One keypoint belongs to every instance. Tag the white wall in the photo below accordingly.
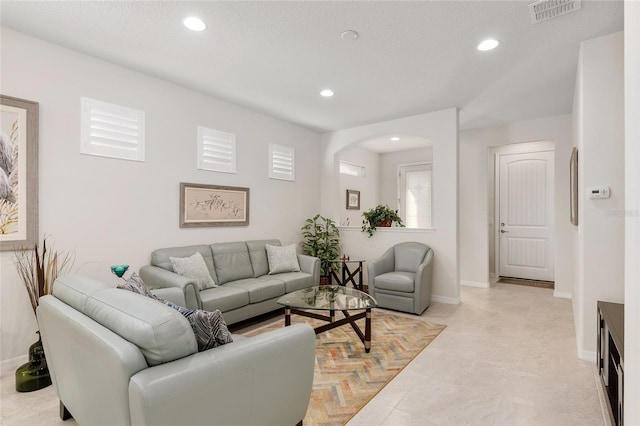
(389, 163)
(368, 185)
(113, 211)
(441, 128)
(476, 180)
(632, 206)
(599, 136)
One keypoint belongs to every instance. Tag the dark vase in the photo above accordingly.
(324, 280)
(385, 223)
(34, 374)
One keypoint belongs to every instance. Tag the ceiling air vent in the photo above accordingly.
(547, 9)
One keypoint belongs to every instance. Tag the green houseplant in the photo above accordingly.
(380, 215)
(321, 239)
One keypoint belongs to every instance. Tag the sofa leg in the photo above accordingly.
(299, 423)
(64, 413)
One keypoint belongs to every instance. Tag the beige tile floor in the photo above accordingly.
(507, 357)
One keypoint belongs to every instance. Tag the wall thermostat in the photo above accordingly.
(599, 192)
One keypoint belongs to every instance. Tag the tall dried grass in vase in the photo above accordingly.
(38, 268)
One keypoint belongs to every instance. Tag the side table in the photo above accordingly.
(348, 275)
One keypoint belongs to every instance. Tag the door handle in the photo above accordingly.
(502, 231)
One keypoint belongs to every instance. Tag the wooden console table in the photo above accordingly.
(611, 357)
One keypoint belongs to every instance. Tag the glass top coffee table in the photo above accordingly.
(331, 299)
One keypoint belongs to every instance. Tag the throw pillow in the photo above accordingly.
(193, 267)
(209, 328)
(282, 259)
(134, 283)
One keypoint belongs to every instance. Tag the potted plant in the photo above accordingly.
(38, 268)
(382, 216)
(321, 239)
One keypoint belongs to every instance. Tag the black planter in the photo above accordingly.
(34, 374)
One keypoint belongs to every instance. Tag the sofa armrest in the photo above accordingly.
(261, 380)
(156, 277)
(310, 265)
(174, 295)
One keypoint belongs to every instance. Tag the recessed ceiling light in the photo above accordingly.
(350, 35)
(327, 93)
(395, 138)
(194, 24)
(488, 44)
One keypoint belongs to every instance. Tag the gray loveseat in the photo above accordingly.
(120, 358)
(241, 270)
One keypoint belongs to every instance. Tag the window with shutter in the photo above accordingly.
(281, 162)
(109, 130)
(216, 150)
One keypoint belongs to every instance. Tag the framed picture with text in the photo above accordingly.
(213, 205)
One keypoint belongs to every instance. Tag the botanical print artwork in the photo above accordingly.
(211, 205)
(10, 189)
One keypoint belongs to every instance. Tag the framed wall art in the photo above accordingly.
(353, 199)
(573, 186)
(213, 205)
(18, 173)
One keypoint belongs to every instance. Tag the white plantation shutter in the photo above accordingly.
(216, 150)
(109, 130)
(281, 162)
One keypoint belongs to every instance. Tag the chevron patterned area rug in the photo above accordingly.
(346, 377)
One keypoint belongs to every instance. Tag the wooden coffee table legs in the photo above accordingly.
(332, 323)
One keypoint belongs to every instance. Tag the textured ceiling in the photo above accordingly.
(274, 57)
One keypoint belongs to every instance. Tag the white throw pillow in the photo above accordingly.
(282, 259)
(194, 267)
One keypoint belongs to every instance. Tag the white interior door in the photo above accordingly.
(525, 227)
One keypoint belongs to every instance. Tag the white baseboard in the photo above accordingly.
(478, 284)
(562, 294)
(445, 299)
(12, 364)
(590, 356)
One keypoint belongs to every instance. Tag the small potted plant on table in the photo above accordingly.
(379, 216)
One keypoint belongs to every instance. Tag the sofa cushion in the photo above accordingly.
(258, 255)
(161, 257)
(195, 268)
(261, 288)
(224, 298)
(231, 261)
(396, 281)
(295, 280)
(209, 328)
(282, 259)
(161, 333)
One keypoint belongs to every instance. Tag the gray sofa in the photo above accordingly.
(120, 358)
(240, 269)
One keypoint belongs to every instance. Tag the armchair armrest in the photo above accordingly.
(156, 277)
(310, 265)
(423, 282)
(380, 266)
(261, 380)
